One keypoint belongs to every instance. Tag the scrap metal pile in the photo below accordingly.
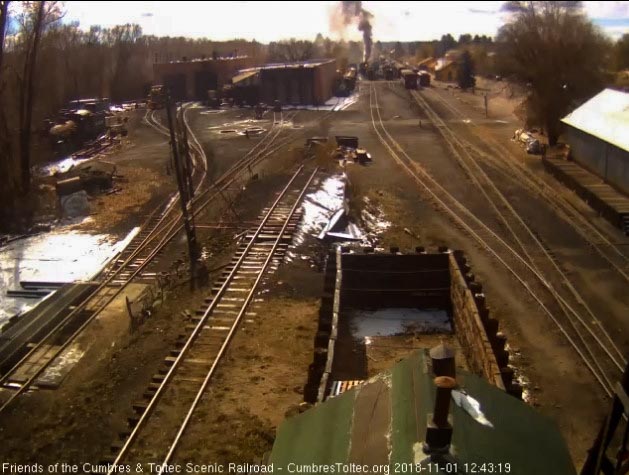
(347, 149)
(74, 186)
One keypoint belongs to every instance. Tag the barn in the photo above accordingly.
(598, 135)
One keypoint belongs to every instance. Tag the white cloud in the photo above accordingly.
(609, 10)
(616, 31)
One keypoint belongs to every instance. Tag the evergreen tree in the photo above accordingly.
(465, 75)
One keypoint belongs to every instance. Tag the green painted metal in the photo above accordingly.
(520, 437)
(319, 436)
(403, 427)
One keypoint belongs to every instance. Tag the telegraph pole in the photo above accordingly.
(184, 184)
(186, 161)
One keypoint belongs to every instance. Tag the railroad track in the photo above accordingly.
(514, 170)
(536, 253)
(200, 200)
(150, 120)
(161, 222)
(164, 225)
(591, 343)
(156, 232)
(178, 388)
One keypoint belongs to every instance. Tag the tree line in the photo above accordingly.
(45, 62)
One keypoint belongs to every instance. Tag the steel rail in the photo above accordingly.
(559, 203)
(155, 232)
(197, 329)
(235, 324)
(453, 142)
(415, 174)
(451, 138)
(170, 203)
(232, 174)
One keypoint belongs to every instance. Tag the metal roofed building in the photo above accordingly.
(384, 421)
(192, 79)
(598, 134)
(446, 70)
(304, 82)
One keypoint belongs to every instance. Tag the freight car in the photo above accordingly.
(409, 79)
(424, 79)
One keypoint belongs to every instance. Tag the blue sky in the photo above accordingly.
(268, 21)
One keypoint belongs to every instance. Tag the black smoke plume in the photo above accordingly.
(354, 11)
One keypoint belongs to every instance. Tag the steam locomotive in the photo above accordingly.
(157, 97)
(346, 82)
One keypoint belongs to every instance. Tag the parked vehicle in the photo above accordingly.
(424, 79)
(532, 145)
(73, 128)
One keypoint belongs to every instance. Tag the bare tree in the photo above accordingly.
(291, 50)
(621, 52)
(66, 43)
(35, 18)
(4, 17)
(557, 51)
(122, 39)
(6, 156)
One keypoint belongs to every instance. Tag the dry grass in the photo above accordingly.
(259, 381)
(136, 189)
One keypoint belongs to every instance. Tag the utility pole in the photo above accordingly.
(184, 184)
(187, 161)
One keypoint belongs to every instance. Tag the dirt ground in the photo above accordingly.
(260, 383)
(141, 183)
(544, 357)
(383, 351)
(261, 379)
(113, 374)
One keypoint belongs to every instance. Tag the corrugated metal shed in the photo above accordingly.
(605, 116)
(383, 422)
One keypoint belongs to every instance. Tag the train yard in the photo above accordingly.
(534, 256)
(238, 348)
(589, 339)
